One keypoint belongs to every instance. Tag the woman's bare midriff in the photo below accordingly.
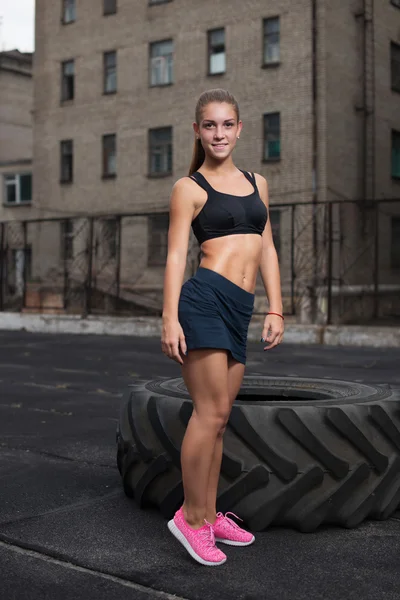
(236, 257)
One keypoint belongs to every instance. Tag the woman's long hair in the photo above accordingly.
(206, 98)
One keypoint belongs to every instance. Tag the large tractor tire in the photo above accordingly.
(297, 452)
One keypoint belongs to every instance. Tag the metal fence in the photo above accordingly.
(340, 263)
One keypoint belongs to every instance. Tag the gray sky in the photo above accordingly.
(17, 25)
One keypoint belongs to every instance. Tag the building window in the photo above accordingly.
(161, 62)
(216, 52)
(157, 240)
(18, 188)
(109, 238)
(396, 154)
(160, 154)
(69, 11)
(110, 72)
(109, 155)
(67, 161)
(395, 66)
(109, 7)
(271, 40)
(67, 80)
(20, 270)
(67, 239)
(272, 137)
(395, 244)
(275, 220)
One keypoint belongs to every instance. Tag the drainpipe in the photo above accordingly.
(314, 33)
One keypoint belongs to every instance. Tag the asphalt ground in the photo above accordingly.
(67, 531)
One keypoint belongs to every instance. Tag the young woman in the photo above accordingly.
(205, 321)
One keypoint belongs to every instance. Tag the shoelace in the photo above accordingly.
(232, 523)
(208, 534)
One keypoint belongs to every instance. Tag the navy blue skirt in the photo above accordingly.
(214, 312)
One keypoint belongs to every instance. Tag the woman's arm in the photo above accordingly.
(270, 275)
(182, 208)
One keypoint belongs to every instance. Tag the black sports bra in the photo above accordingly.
(226, 214)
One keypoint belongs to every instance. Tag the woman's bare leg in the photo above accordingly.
(205, 373)
(235, 378)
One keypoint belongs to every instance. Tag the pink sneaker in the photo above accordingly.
(200, 543)
(228, 532)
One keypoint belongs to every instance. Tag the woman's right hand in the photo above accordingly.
(173, 342)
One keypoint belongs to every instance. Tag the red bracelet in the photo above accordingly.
(277, 314)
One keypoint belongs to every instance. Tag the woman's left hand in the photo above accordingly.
(272, 332)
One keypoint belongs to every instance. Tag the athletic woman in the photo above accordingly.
(205, 321)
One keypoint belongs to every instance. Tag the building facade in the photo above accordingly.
(318, 87)
(16, 98)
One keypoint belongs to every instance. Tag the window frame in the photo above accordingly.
(107, 12)
(64, 4)
(155, 174)
(106, 173)
(157, 254)
(105, 72)
(152, 58)
(63, 143)
(271, 158)
(275, 63)
(392, 46)
(64, 81)
(17, 183)
(209, 54)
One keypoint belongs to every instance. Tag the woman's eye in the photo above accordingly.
(229, 124)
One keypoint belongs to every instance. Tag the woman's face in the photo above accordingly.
(218, 129)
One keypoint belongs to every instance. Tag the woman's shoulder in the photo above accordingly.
(186, 188)
(260, 180)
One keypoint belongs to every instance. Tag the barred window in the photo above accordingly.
(18, 188)
(271, 40)
(161, 62)
(67, 80)
(216, 52)
(272, 137)
(109, 155)
(160, 151)
(109, 238)
(67, 239)
(67, 161)
(110, 72)
(157, 239)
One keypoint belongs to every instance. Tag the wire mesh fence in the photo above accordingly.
(339, 261)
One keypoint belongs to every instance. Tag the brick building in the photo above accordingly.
(318, 84)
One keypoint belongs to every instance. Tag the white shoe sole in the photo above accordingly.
(181, 538)
(232, 543)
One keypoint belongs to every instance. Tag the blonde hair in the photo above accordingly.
(216, 95)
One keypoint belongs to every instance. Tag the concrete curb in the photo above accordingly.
(332, 335)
